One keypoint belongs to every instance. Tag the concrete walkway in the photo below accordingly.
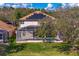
(28, 41)
(36, 41)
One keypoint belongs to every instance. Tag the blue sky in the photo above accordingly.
(39, 5)
(44, 5)
(33, 5)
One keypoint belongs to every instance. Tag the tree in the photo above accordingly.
(46, 28)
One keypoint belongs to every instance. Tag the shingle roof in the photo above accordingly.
(7, 27)
(36, 12)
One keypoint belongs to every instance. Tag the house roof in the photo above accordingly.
(7, 27)
(36, 12)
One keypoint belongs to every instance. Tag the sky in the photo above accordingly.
(33, 5)
(50, 6)
(44, 5)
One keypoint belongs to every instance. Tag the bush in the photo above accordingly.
(12, 43)
(65, 47)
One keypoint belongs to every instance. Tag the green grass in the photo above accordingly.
(41, 49)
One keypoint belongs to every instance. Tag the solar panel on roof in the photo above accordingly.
(37, 16)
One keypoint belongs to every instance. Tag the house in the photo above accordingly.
(28, 23)
(6, 31)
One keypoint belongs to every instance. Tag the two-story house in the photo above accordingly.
(28, 23)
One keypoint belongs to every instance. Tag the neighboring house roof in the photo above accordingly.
(36, 12)
(7, 27)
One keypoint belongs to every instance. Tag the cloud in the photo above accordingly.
(1, 4)
(69, 5)
(63, 5)
(49, 7)
(30, 5)
(26, 5)
(66, 5)
(77, 4)
(73, 4)
(14, 6)
(23, 5)
(7, 5)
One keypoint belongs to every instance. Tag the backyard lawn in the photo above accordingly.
(39, 49)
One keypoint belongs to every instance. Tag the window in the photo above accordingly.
(1, 36)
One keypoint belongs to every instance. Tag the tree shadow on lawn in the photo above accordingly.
(19, 47)
(2, 50)
(14, 49)
(64, 48)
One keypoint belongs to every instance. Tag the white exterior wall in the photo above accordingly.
(29, 23)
